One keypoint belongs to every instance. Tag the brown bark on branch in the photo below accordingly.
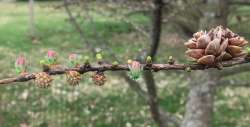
(123, 67)
(235, 70)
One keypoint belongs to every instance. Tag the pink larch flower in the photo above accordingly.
(74, 60)
(73, 57)
(20, 61)
(135, 68)
(20, 64)
(135, 65)
(50, 59)
(51, 54)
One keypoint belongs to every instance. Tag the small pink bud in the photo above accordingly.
(20, 64)
(135, 65)
(20, 60)
(135, 68)
(72, 57)
(51, 54)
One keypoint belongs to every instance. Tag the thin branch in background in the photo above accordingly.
(123, 17)
(133, 84)
(77, 26)
(148, 76)
(136, 86)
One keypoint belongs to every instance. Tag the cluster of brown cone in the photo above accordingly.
(73, 78)
(219, 44)
(43, 80)
(99, 78)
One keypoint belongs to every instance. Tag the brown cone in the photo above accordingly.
(223, 46)
(43, 80)
(241, 54)
(203, 41)
(191, 44)
(99, 78)
(198, 34)
(195, 53)
(207, 60)
(233, 50)
(213, 47)
(217, 45)
(73, 78)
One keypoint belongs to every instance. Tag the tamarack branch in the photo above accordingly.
(123, 67)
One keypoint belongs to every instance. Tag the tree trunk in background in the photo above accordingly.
(215, 13)
(148, 76)
(199, 107)
(223, 12)
(31, 19)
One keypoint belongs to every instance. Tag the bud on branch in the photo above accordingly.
(20, 65)
(123, 67)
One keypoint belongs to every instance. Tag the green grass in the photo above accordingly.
(52, 28)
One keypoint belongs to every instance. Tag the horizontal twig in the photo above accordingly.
(123, 67)
(235, 71)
